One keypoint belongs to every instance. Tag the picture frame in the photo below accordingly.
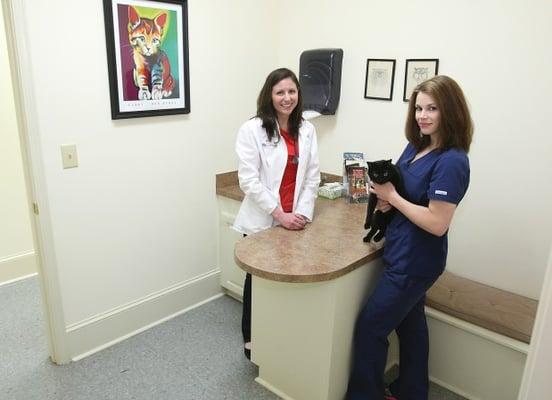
(147, 57)
(417, 71)
(380, 78)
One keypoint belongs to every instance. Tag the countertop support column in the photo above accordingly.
(302, 333)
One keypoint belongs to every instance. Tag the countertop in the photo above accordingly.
(329, 247)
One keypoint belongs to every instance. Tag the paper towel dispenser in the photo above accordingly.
(320, 79)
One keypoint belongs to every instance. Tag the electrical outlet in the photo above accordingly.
(69, 156)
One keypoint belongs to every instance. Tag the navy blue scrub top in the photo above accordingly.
(439, 175)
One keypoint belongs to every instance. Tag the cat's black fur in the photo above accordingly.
(380, 172)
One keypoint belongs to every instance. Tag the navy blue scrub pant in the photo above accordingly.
(397, 303)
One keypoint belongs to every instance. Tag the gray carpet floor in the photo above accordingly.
(196, 356)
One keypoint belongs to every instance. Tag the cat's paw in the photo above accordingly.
(380, 235)
(144, 94)
(157, 92)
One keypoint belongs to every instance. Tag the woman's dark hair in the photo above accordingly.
(265, 108)
(455, 125)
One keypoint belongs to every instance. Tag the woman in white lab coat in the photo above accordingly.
(278, 168)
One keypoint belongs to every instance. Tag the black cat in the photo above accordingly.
(380, 172)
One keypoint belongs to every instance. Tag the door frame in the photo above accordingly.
(35, 182)
(535, 383)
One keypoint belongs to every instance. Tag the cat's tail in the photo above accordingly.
(168, 80)
(168, 86)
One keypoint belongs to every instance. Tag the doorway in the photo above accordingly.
(28, 214)
(17, 256)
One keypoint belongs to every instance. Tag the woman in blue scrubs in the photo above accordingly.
(436, 174)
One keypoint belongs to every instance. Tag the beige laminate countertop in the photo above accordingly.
(327, 248)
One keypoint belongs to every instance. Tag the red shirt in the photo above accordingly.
(287, 187)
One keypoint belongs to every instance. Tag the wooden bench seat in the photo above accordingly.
(500, 311)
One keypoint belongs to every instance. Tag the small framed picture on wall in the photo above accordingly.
(417, 71)
(380, 75)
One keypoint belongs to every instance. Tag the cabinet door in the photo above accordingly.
(232, 276)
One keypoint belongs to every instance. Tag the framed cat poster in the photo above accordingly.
(417, 71)
(147, 57)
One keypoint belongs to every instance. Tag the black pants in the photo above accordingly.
(246, 313)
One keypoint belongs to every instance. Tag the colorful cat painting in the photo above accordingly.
(152, 69)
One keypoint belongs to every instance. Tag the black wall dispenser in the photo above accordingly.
(320, 79)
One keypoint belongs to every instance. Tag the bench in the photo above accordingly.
(479, 337)
(500, 311)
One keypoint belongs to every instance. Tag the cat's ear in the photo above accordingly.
(388, 161)
(161, 20)
(133, 17)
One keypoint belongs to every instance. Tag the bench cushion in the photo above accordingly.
(497, 310)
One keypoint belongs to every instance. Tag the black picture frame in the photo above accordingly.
(145, 83)
(380, 78)
(416, 71)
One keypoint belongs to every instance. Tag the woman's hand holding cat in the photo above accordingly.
(385, 192)
(289, 220)
(383, 205)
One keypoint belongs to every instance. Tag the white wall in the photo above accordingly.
(16, 243)
(138, 216)
(499, 52)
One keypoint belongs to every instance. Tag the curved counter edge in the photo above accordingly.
(310, 278)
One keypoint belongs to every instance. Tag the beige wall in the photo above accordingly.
(138, 216)
(16, 243)
(499, 53)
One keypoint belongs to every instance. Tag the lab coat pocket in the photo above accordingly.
(269, 152)
(274, 155)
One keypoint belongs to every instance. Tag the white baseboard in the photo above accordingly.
(16, 267)
(231, 293)
(233, 289)
(113, 326)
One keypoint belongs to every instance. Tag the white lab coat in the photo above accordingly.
(260, 171)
